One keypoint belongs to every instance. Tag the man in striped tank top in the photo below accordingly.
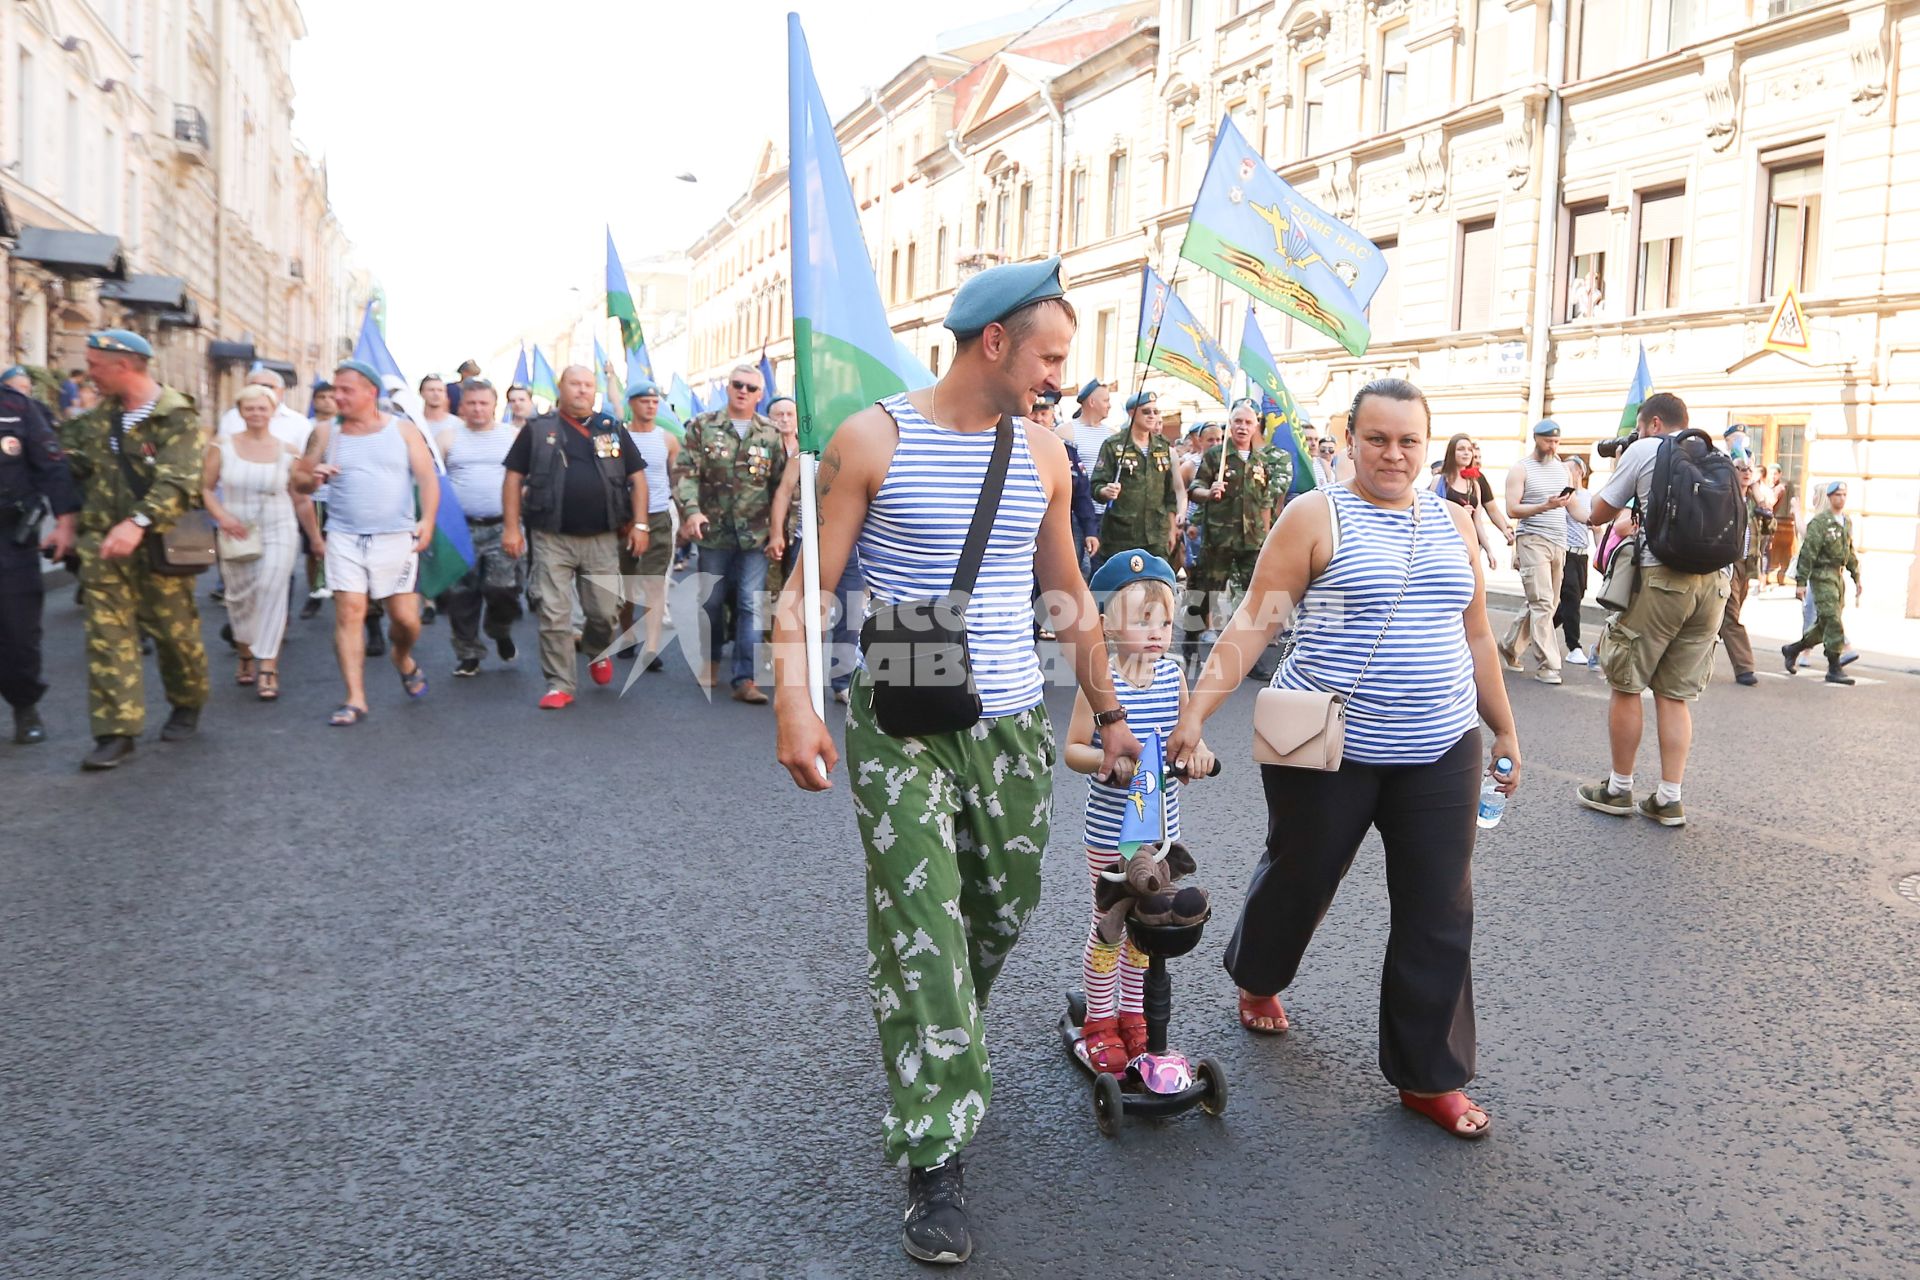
(954, 825)
(1538, 491)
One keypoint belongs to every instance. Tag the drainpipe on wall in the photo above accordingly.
(1546, 255)
(1058, 196)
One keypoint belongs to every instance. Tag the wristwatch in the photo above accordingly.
(141, 519)
(1101, 719)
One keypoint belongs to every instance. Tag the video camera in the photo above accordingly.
(1611, 448)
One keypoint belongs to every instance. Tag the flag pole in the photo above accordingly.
(810, 585)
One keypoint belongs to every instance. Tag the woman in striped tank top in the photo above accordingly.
(1138, 620)
(1392, 613)
(954, 824)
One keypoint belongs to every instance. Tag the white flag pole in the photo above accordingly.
(810, 584)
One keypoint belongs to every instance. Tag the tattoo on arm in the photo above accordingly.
(829, 469)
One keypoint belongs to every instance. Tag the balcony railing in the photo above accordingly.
(189, 125)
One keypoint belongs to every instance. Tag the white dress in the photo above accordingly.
(255, 493)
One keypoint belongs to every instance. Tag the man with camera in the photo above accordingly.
(1691, 525)
(33, 476)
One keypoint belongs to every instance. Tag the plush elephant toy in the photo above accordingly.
(1142, 888)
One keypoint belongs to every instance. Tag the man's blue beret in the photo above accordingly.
(124, 341)
(998, 293)
(1140, 400)
(1093, 385)
(643, 387)
(364, 369)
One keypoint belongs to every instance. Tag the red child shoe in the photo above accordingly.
(1133, 1032)
(1100, 1042)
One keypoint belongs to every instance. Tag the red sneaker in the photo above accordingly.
(601, 671)
(556, 701)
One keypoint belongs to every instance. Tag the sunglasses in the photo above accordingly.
(738, 385)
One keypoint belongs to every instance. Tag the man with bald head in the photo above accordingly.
(580, 486)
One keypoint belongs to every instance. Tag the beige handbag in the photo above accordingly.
(241, 550)
(1307, 728)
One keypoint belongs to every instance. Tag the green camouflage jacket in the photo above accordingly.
(1149, 491)
(167, 448)
(1256, 487)
(1828, 545)
(729, 480)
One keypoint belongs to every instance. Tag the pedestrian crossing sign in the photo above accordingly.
(1787, 329)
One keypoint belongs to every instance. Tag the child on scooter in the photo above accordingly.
(1136, 594)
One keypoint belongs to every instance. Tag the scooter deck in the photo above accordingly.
(1135, 1100)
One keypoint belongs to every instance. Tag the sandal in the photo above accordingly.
(269, 685)
(1252, 1007)
(1102, 1046)
(414, 682)
(1133, 1031)
(243, 674)
(1447, 1111)
(347, 715)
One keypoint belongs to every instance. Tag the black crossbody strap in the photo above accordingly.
(134, 482)
(984, 511)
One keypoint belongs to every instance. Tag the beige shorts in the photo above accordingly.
(375, 565)
(1664, 641)
(659, 552)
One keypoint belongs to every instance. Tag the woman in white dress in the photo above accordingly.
(244, 485)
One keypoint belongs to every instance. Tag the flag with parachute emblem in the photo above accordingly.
(1280, 414)
(620, 307)
(1171, 340)
(1251, 228)
(542, 382)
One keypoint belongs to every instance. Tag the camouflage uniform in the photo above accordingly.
(124, 597)
(1824, 553)
(1234, 528)
(1142, 516)
(731, 481)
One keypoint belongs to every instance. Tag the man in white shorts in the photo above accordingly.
(371, 463)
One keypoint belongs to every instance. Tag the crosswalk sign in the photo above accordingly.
(1787, 329)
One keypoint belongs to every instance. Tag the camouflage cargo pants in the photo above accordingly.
(124, 598)
(1829, 592)
(954, 828)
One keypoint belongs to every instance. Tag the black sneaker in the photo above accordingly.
(428, 615)
(936, 1221)
(28, 729)
(181, 725)
(309, 607)
(505, 646)
(656, 666)
(467, 667)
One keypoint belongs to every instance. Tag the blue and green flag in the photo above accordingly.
(1143, 816)
(542, 382)
(1252, 229)
(1171, 340)
(371, 346)
(1636, 394)
(613, 399)
(767, 393)
(620, 307)
(1280, 414)
(845, 356)
(519, 380)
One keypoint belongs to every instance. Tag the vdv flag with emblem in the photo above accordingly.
(1280, 414)
(613, 402)
(542, 382)
(371, 346)
(620, 307)
(1636, 394)
(1143, 817)
(845, 356)
(1252, 229)
(1172, 341)
(519, 380)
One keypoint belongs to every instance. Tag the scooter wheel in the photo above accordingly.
(1108, 1103)
(1215, 1099)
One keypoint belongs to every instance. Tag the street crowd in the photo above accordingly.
(1167, 570)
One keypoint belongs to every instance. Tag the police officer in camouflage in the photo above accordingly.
(1134, 476)
(1825, 551)
(137, 456)
(729, 467)
(33, 477)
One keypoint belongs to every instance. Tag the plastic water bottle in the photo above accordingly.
(1493, 805)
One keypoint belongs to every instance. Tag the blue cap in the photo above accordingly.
(1093, 385)
(998, 293)
(1137, 565)
(12, 371)
(123, 341)
(364, 369)
(643, 387)
(1140, 399)
(1837, 484)
(1738, 426)
(777, 399)
(1546, 427)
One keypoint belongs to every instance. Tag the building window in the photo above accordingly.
(1793, 227)
(933, 360)
(1586, 262)
(893, 276)
(1473, 282)
(1002, 205)
(1781, 8)
(1489, 47)
(1024, 225)
(1077, 208)
(1189, 18)
(70, 182)
(24, 149)
(1656, 284)
(1313, 108)
(913, 269)
(1393, 77)
(1116, 193)
(1383, 311)
(1683, 23)
(940, 258)
(980, 226)
(1102, 339)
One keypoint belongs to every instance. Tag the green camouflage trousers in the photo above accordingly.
(1829, 592)
(123, 598)
(954, 828)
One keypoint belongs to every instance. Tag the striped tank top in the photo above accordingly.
(652, 447)
(1418, 697)
(1154, 708)
(373, 494)
(1544, 480)
(915, 529)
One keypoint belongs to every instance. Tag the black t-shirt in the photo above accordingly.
(583, 503)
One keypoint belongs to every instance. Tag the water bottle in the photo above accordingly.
(1493, 805)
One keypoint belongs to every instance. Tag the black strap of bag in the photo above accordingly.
(916, 651)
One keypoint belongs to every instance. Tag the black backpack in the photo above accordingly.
(1696, 519)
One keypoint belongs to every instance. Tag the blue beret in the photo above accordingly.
(643, 387)
(1738, 426)
(12, 371)
(364, 369)
(789, 399)
(995, 294)
(1140, 400)
(1837, 484)
(124, 341)
(1048, 397)
(1093, 385)
(1137, 565)
(1546, 427)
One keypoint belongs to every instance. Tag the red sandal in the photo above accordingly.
(1252, 1007)
(1447, 1110)
(1100, 1042)
(1133, 1032)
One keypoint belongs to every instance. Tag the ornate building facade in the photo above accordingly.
(1554, 183)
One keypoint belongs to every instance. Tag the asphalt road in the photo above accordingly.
(479, 991)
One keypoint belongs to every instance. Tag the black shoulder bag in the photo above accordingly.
(186, 548)
(916, 651)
